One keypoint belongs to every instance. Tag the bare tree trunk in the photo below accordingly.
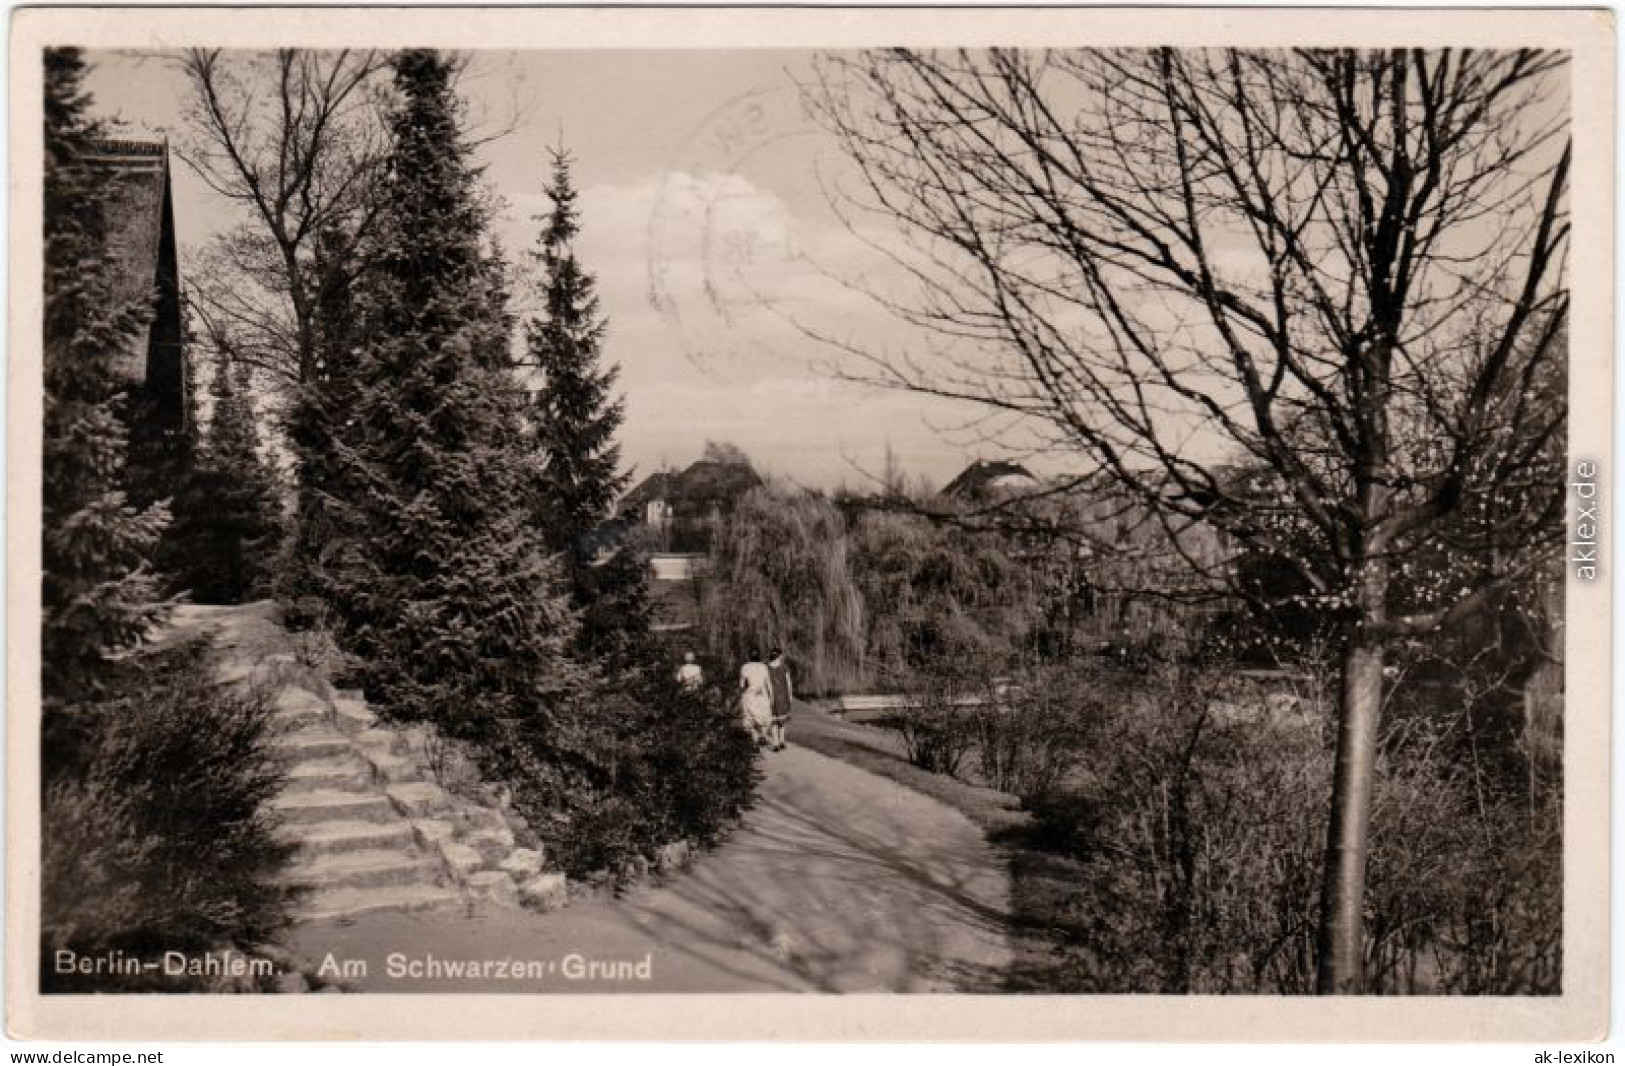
(1342, 901)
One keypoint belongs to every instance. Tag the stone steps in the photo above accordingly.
(328, 774)
(371, 827)
(370, 830)
(342, 903)
(347, 804)
(363, 869)
(340, 837)
(332, 805)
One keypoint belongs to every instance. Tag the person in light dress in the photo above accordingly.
(756, 698)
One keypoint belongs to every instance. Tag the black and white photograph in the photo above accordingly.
(1083, 520)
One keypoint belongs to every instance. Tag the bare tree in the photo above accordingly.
(292, 140)
(1344, 271)
(723, 451)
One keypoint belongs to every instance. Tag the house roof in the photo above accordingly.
(139, 222)
(656, 486)
(703, 482)
(986, 476)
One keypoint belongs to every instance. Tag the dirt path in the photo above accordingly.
(838, 881)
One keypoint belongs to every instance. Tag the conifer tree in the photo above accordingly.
(227, 512)
(153, 831)
(318, 418)
(574, 417)
(98, 595)
(440, 587)
(576, 412)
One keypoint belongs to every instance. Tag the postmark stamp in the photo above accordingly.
(711, 264)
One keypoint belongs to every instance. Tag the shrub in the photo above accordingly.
(635, 764)
(1199, 818)
(1466, 884)
(1030, 734)
(155, 834)
(1200, 842)
(937, 730)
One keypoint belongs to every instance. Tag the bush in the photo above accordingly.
(155, 835)
(1199, 817)
(937, 736)
(1200, 841)
(1030, 734)
(1466, 880)
(638, 763)
(1026, 732)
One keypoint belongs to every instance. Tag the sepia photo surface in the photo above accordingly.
(810, 525)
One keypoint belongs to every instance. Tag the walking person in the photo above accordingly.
(756, 697)
(778, 672)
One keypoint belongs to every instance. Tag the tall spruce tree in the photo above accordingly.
(440, 588)
(576, 412)
(98, 593)
(318, 418)
(227, 512)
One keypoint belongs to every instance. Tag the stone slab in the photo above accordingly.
(460, 859)
(432, 832)
(418, 799)
(546, 892)
(522, 864)
(494, 844)
(493, 886)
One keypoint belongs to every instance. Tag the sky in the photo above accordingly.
(705, 208)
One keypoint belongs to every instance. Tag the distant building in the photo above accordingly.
(145, 265)
(679, 508)
(670, 516)
(648, 503)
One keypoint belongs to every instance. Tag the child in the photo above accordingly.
(689, 675)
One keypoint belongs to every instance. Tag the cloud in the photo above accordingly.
(711, 284)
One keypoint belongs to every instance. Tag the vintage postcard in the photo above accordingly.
(810, 524)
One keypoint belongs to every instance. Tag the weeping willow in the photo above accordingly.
(780, 576)
(887, 599)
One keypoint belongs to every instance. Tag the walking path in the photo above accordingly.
(837, 881)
